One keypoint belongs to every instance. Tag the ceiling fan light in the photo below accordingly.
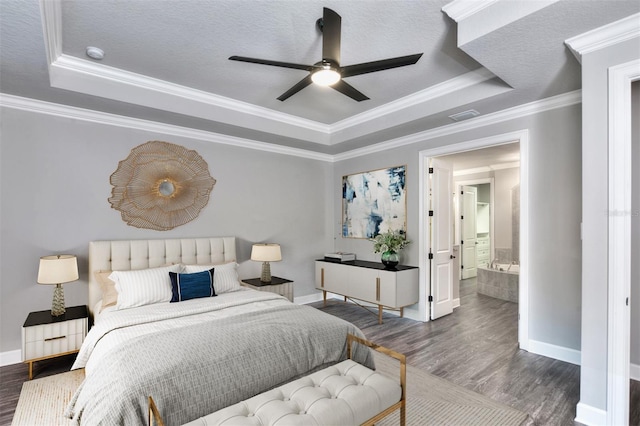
(325, 77)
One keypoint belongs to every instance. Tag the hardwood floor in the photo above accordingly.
(13, 376)
(475, 347)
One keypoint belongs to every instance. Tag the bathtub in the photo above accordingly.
(506, 267)
(501, 282)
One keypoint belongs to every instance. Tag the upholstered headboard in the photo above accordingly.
(125, 255)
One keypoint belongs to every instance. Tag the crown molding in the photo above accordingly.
(485, 169)
(605, 36)
(427, 95)
(43, 107)
(51, 12)
(558, 101)
(462, 9)
(83, 76)
(118, 75)
(91, 78)
(65, 111)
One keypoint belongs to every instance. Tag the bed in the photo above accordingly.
(195, 356)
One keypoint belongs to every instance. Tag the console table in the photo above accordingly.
(369, 282)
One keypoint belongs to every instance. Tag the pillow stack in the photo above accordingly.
(172, 283)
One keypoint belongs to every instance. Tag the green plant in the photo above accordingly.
(389, 241)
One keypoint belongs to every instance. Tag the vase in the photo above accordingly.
(390, 259)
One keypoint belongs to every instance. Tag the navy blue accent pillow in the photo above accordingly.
(191, 286)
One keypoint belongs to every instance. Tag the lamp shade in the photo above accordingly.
(58, 269)
(266, 253)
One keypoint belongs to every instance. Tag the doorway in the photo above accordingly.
(428, 278)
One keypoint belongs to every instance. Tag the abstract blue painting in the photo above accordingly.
(374, 202)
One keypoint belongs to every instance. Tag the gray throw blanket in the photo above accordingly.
(196, 370)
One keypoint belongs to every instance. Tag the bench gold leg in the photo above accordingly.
(31, 370)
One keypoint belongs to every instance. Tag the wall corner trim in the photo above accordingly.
(588, 415)
(605, 36)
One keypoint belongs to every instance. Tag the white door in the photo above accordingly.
(441, 237)
(468, 199)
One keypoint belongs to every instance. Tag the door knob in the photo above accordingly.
(452, 257)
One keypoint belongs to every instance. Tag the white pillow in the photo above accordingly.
(225, 276)
(144, 286)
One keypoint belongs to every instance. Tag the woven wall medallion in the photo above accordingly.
(160, 186)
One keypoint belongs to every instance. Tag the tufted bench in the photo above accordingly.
(346, 393)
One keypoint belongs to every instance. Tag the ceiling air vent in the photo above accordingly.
(464, 115)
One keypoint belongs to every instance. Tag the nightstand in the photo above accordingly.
(45, 336)
(277, 285)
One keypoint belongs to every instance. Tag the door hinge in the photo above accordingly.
(461, 192)
(430, 256)
(461, 266)
(430, 170)
(462, 217)
(461, 242)
(430, 213)
(430, 298)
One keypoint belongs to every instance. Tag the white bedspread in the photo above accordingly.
(198, 356)
(117, 326)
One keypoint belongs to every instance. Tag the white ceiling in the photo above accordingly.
(167, 61)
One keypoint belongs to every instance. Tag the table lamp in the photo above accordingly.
(266, 253)
(58, 269)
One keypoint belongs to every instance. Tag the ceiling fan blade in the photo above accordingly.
(384, 64)
(331, 29)
(347, 89)
(296, 88)
(272, 63)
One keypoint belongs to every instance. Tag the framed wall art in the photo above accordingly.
(160, 186)
(374, 202)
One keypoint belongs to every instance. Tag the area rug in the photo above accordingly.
(435, 401)
(42, 401)
(430, 401)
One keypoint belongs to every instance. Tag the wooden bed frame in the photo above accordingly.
(126, 255)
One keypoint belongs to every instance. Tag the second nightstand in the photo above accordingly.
(277, 285)
(45, 336)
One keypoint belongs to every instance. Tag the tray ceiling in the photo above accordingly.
(167, 61)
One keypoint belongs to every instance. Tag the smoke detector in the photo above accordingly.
(95, 53)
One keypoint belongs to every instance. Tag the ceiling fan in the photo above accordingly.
(328, 71)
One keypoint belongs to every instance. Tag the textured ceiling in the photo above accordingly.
(166, 61)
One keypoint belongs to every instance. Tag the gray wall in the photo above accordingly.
(505, 180)
(55, 171)
(54, 175)
(635, 229)
(593, 372)
(554, 221)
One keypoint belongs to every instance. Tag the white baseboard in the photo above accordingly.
(309, 298)
(456, 303)
(556, 352)
(10, 357)
(634, 372)
(588, 415)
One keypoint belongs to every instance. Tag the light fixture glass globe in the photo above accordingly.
(325, 77)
